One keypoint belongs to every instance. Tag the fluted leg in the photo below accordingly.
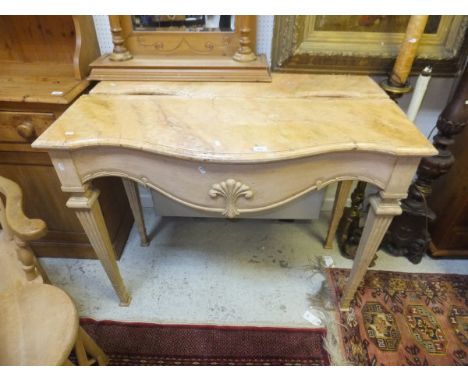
(379, 218)
(131, 188)
(342, 192)
(90, 216)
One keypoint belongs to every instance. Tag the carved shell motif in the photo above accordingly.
(231, 190)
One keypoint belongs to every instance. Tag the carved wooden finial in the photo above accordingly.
(244, 53)
(120, 52)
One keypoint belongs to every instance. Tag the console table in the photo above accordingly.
(235, 148)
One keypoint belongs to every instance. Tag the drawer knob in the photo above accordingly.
(26, 130)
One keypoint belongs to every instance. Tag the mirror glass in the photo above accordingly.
(179, 23)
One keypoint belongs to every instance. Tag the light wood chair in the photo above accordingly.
(39, 323)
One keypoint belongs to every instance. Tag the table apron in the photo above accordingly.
(231, 188)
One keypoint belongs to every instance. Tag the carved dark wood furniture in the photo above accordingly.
(408, 235)
(449, 198)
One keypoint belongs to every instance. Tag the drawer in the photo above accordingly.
(22, 128)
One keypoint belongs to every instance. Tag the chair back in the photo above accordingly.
(18, 265)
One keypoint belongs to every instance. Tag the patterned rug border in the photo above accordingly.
(89, 320)
(265, 360)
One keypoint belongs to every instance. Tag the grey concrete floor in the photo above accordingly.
(242, 272)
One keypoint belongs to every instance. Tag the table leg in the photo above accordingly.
(90, 216)
(342, 192)
(379, 218)
(131, 188)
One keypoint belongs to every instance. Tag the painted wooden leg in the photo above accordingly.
(85, 346)
(90, 216)
(87, 351)
(379, 218)
(131, 188)
(342, 192)
(80, 352)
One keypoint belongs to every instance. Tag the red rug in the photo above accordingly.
(155, 344)
(405, 319)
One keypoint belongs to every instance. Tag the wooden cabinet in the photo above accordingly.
(23, 127)
(43, 64)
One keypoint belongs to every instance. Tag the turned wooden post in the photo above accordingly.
(28, 262)
(244, 53)
(20, 229)
(120, 52)
(349, 230)
(407, 53)
(397, 83)
(408, 235)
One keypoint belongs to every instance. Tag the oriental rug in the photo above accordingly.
(157, 344)
(404, 318)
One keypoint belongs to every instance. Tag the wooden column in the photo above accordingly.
(245, 52)
(407, 53)
(120, 52)
(397, 83)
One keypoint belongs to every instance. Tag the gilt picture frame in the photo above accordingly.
(364, 44)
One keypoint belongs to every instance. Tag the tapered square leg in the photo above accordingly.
(89, 214)
(379, 218)
(342, 192)
(131, 188)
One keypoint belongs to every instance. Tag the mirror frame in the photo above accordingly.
(186, 43)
